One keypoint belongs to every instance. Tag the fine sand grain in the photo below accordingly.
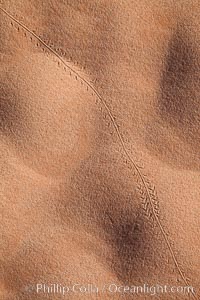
(99, 148)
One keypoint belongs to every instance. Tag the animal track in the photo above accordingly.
(146, 189)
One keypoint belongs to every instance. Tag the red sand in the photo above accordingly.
(89, 92)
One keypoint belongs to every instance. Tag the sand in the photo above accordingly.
(99, 149)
